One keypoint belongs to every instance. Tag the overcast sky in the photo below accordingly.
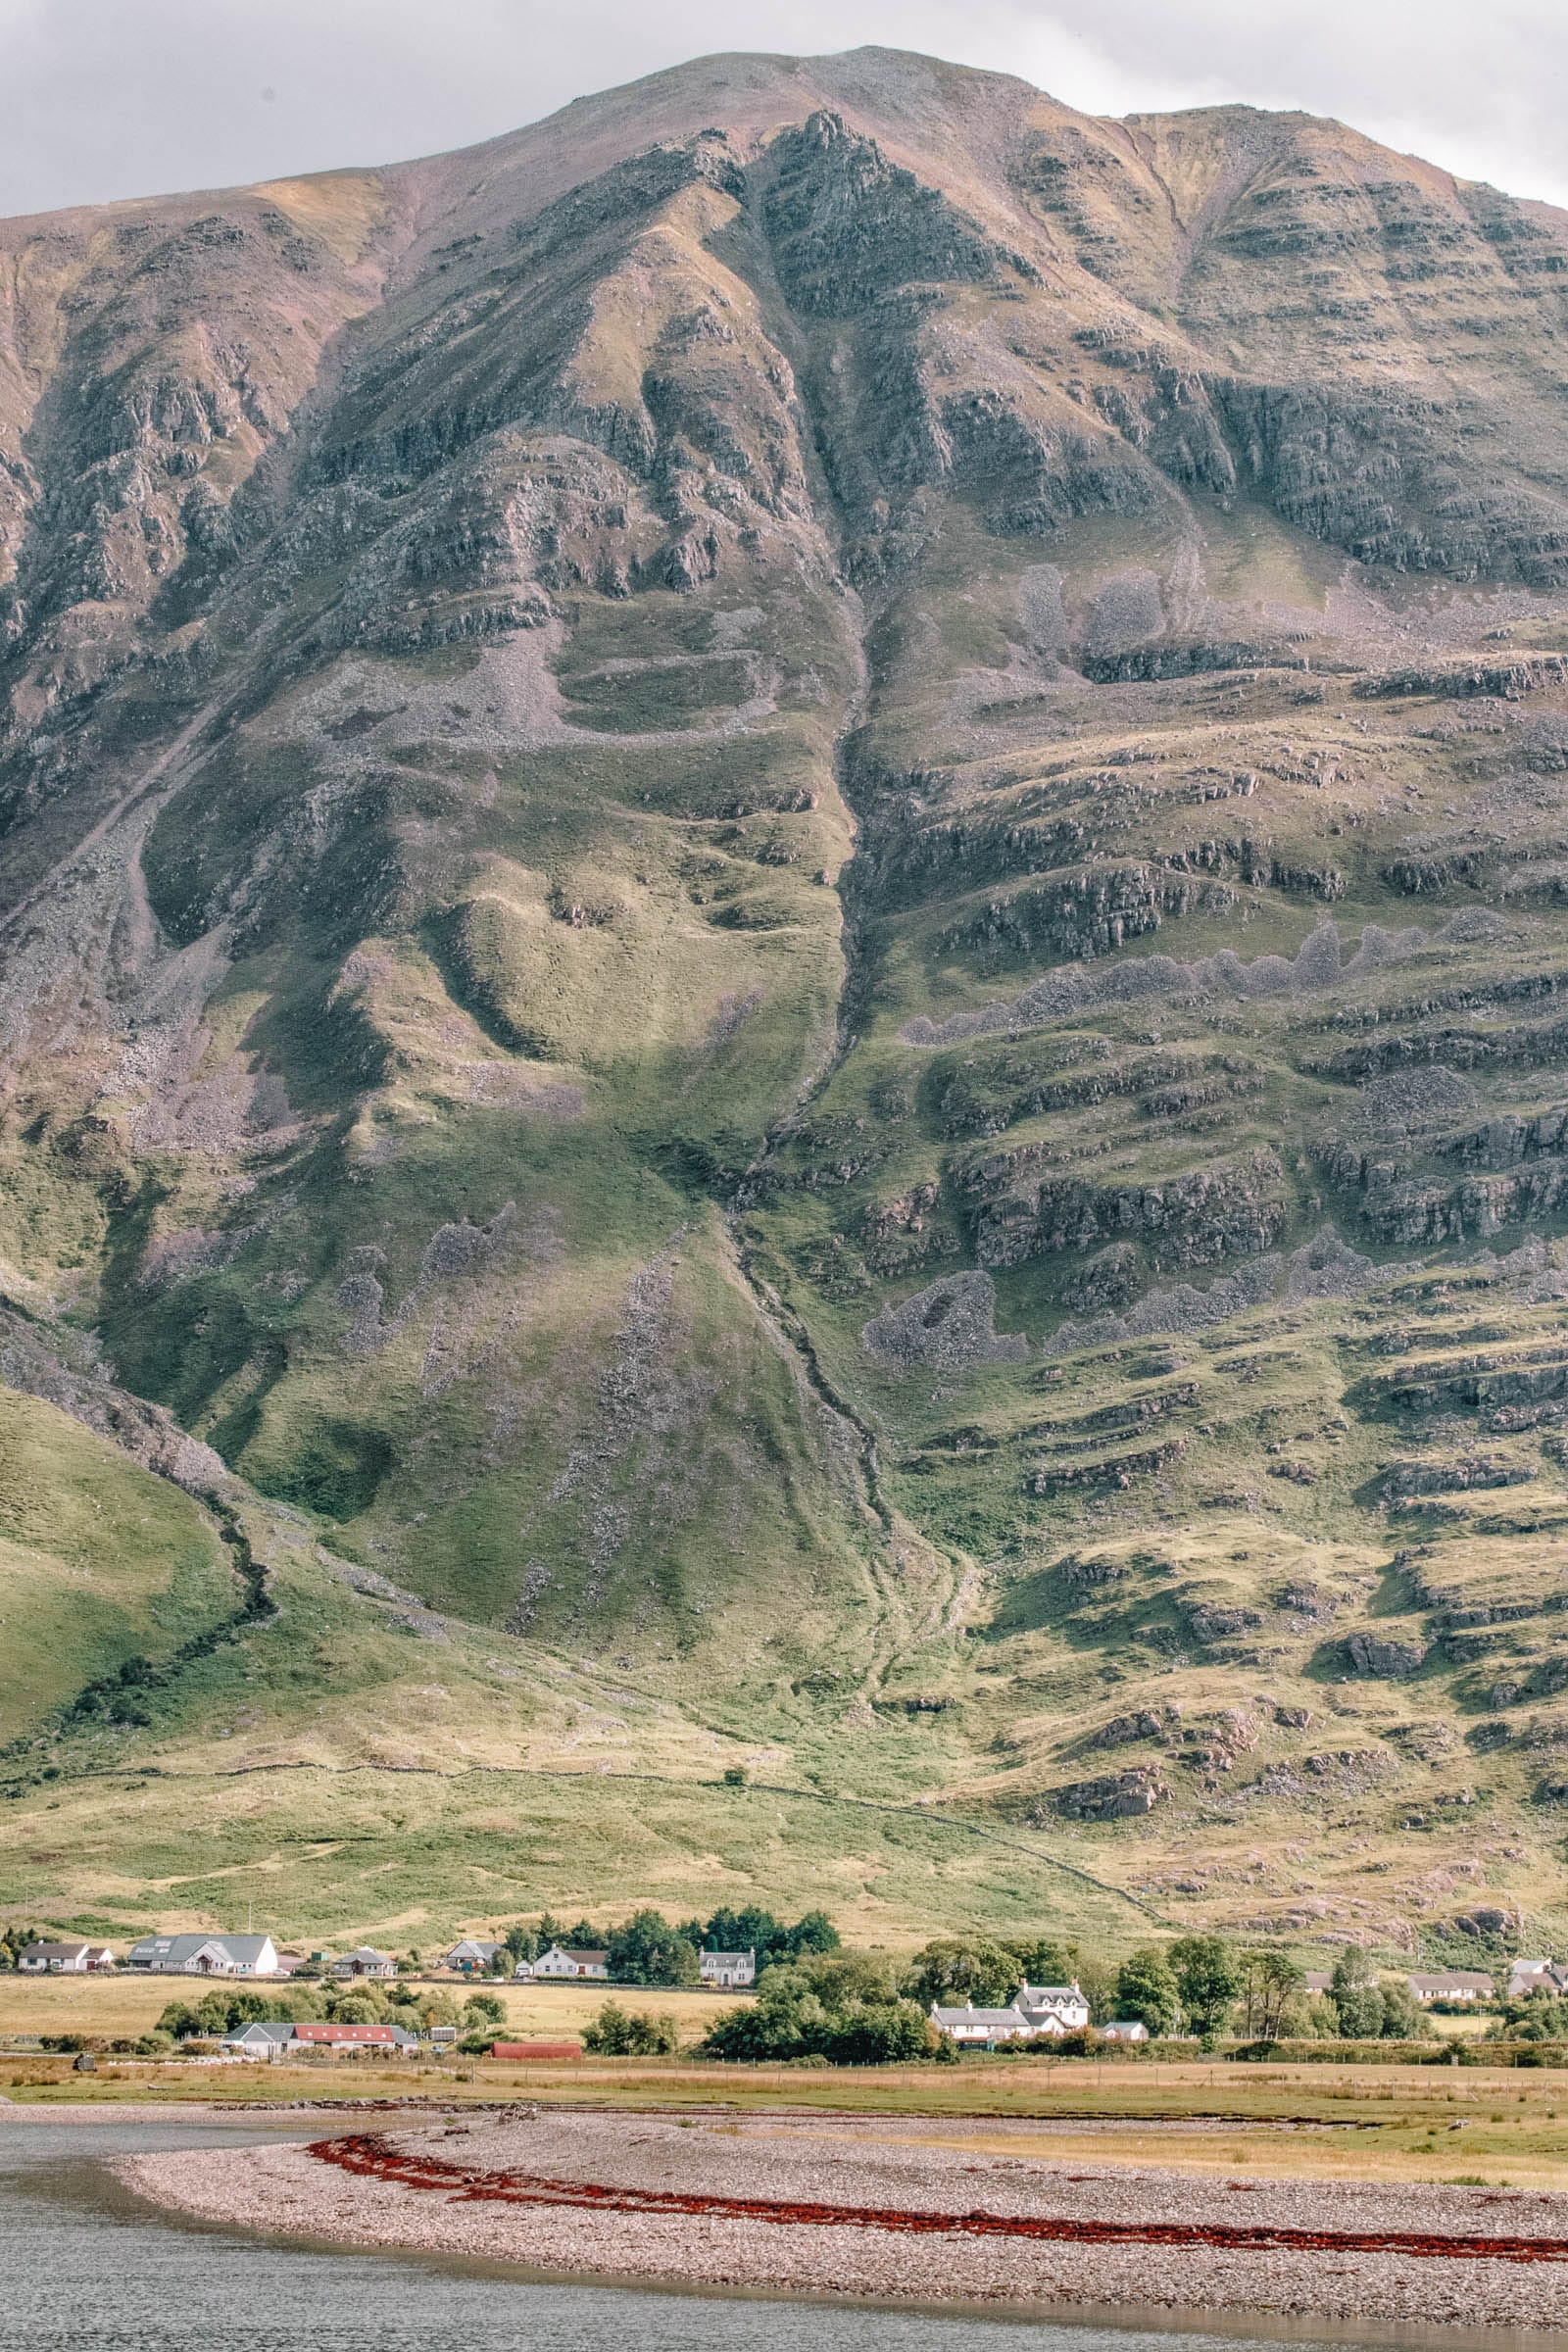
(104, 98)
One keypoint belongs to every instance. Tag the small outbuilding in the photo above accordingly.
(365, 1962)
(473, 1957)
(522, 2053)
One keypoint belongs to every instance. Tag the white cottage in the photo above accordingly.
(563, 1960)
(69, 1958)
(725, 1970)
(1452, 1984)
(981, 2027)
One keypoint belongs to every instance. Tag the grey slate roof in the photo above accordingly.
(979, 2016)
(173, 1951)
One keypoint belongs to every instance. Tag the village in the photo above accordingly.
(264, 1998)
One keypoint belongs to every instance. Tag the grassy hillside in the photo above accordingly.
(105, 1571)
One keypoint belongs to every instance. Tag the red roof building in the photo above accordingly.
(518, 2050)
(337, 2036)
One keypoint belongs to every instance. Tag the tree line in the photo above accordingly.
(1202, 1987)
(650, 1949)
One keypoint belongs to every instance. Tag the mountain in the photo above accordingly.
(782, 959)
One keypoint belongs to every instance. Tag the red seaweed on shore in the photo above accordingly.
(371, 2154)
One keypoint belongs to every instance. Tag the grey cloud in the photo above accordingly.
(108, 98)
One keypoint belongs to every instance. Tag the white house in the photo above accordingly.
(981, 2027)
(1053, 2008)
(72, 1958)
(264, 2038)
(277, 2038)
(1536, 1976)
(727, 1970)
(563, 1961)
(473, 1957)
(1124, 2028)
(1451, 1985)
(365, 1962)
(205, 1955)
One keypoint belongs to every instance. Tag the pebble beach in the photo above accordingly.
(863, 2209)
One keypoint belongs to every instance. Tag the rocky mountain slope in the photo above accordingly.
(783, 923)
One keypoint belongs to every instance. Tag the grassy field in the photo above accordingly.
(130, 2004)
(1483, 2126)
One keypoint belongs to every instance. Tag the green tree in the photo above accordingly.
(787, 2020)
(955, 1969)
(895, 2035)
(1207, 1981)
(749, 1930)
(360, 2007)
(1269, 1977)
(618, 2032)
(843, 2006)
(1356, 1995)
(1539, 2017)
(1097, 1981)
(520, 1944)
(813, 1932)
(1145, 1988)
(1044, 1959)
(484, 2009)
(1404, 2018)
(648, 1950)
(1309, 2017)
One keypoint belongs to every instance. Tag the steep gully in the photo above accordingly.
(885, 1556)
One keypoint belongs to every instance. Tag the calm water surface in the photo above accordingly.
(82, 2269)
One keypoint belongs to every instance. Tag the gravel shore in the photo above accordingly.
(459, 2210)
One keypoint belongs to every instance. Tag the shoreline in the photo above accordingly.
(772, 2206)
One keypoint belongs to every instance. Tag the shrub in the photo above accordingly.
(841, 2006)
(618, 2032)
